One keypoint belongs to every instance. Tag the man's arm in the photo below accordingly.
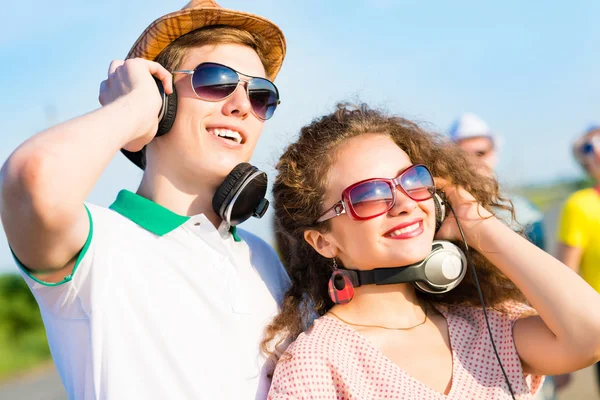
(46, 180)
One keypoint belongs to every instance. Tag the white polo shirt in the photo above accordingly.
(162, 306)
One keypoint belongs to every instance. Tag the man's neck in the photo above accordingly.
(178, 197)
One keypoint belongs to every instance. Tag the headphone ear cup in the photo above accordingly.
(230, 186)
(439, 201)
(168, 111)
(444, 269)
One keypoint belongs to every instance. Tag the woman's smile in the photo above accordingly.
(406, 230)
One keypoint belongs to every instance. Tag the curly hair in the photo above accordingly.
(298, 195)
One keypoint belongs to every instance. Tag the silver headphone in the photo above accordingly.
(441, 271)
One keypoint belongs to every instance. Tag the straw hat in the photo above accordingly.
(200, 13)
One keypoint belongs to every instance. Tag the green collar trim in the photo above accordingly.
(146, 213)
(234, 233)
(151, 216)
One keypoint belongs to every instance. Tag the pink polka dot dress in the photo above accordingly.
(333, 361)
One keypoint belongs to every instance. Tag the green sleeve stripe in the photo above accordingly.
(79, 257)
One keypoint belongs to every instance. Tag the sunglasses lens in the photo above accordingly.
(587, 148)
(263, 97)
(214, 82)
(418, 183)
(371, 198)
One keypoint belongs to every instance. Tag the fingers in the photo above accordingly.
(163, 75)
(114, 65)
(102, 91)
(133, 75)
(440, 181)
(154, 68)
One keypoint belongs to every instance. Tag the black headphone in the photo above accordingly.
(168, 110)
(441, 271)
(242, 193)
(166, 118)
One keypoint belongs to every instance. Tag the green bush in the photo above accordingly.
(548, 195)
(23, 341)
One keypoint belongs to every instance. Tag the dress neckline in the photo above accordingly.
(386, 359)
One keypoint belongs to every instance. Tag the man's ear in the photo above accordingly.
(320, 243)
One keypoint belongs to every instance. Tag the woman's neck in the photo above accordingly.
(388, 305)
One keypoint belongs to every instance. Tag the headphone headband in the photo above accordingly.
(388, 276)
(440, 272)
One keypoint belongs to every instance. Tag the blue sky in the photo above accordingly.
(530, 69)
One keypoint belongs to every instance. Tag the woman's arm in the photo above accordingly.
(569, 255)
(46, 180)
(566, 334)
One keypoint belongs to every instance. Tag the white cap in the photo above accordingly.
(469, 125)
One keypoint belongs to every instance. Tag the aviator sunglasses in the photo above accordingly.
(215, 82)
(376, 196)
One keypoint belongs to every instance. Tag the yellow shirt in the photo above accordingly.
(580, 227)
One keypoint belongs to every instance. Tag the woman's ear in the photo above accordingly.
(320, 243)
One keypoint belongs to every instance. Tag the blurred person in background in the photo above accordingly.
(579, 224)
(475, 137)
(158, 296)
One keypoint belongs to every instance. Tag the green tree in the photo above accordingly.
(22, 335)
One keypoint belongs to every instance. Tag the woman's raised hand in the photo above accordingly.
(469, 212)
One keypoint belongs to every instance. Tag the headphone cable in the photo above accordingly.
(468, 254)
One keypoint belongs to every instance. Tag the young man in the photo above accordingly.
(156, 297)
(579, 227)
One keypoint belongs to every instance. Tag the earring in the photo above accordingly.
(341, 290)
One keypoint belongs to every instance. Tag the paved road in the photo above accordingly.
(45, 384)
(582, 387)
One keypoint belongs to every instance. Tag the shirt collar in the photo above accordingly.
(151, 216)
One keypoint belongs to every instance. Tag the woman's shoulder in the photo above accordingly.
(471, 343)
(318, 339)
(473, 319)
(316, 363)
(469, 331)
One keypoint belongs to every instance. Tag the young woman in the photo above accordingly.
(355, 192)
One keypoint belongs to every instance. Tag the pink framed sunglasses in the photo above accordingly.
(376, 196)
